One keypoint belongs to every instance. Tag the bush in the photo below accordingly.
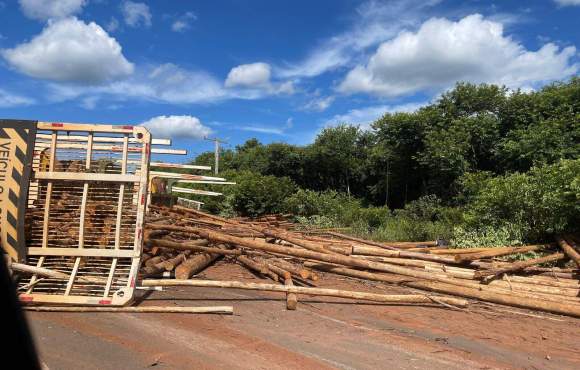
(253, 195)
(533, 206)
(256, 195)
(423, 219)
(508, 234)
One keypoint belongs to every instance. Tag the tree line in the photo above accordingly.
(404, 156)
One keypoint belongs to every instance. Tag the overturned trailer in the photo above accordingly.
(81, 208)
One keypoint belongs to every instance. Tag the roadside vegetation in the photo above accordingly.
(479, 166)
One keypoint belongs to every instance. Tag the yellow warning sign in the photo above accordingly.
(16, 150)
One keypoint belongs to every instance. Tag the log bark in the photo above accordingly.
(569, 250)
(516, 266)
(383, 298)
(194, 264)
(224, 310)
(498, 252)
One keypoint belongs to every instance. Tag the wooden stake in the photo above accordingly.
(291, 298)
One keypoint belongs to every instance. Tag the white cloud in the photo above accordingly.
(567, 2)
(249, 75)
(263, 130)
(442, 52)
(136, 14)
(166, 83)
(8, 100)
(319, 104)
(363, 117)
(113, 25)
(51, 9)
(374, 22)
(284, 88)
(70, 50)
(177, 127)
(253, 80)
(183, 23)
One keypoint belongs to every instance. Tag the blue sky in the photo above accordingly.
(275, 70)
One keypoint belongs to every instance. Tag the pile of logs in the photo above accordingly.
(180, 243)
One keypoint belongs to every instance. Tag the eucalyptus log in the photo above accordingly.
(516, 266)
(362, 241)
(291, 298)
(171, 263)
(569, 250)
(295, 240)
(203, 214)
(194, 264)
(51, 274)
(225, 310)
(498, 252)
(569, 309)
(374, 297)
(258, 267)
(459, 250)
(302, 272)
(154, 261)
(283, 275)
(40, 271)
(370, 251)
(194, 245)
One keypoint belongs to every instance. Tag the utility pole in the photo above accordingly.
(216, 142)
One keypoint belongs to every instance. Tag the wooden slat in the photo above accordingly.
(176, 189)
(85, 252)
(45, 219)
(103, 139)
(62, 126)
(178, 165)
(83, 211)
(205, 182)
(119, 217)
(79, 176)
(184, 176)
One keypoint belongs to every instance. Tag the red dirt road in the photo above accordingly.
(322, 333)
